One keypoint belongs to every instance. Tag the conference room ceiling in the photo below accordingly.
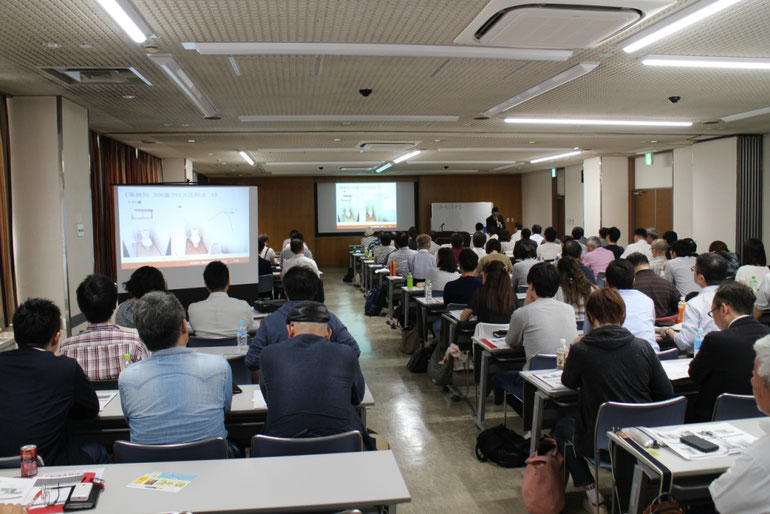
(159, 119)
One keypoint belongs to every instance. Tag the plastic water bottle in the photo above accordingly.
(428, 290)
(754, 283)
(125, 360)
(561, 353)
(242, 336)
(698, 341)
(409, 280)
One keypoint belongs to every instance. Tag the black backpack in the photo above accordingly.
(375, 301)
(502, 446)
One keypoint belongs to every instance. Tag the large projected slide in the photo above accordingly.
(352, 207)
(180, 229)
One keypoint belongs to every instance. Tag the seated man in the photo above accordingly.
(434, 246)
(639, 308)
(219, 315)
(658, 249)
(597, 257)
(420, 262)
(401, 254)
(578, 234)
(177, 395)
(613, 236)
(299, 285)
(549, 250)
(382, 252)
(368, 238)
(287, 253)
(456, 242)
(41, 393)
(493, 254)
(662, 292)
(478, 240)
(640, 245)
(679, 269)
(310, 384)
(745, 486)
(460, 290)
(100, 350)
(573, 249)
(726, 356)
(710, 270)
(298, 258)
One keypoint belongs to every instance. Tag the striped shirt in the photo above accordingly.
(100, 349)
(662, 292)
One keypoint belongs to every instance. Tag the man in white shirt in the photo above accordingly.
(679, 269)
(287, 253)
(516, 235)
(763, 298)
(658, 249)
(368, 238)
(298, 258)
(218, 315)
(640, 309)
(745, 487)
(419, 263)
(640, 245)
(536, 236)
(478, 241)
(550, 250)
(710, 270)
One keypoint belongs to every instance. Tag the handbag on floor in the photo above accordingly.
(440, 373)
(502, 446)
(410, 340)
(418, 362)
(543, 485)
(664, 504)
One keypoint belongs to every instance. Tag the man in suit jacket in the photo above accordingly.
(41, 393)
(495, 222)
(726, 358)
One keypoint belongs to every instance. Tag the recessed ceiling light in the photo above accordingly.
(129, 97)
(575, 121)
(127, 17)
(185, 124)
(346, 123)
(185, 84)
(747, 114)
(684, 61)
(168, 124)
(234, 64)
(383, 167)
(247, 157)
(653, 142)
(190, 140)
(85, 46)
(51, 44)
(436, 140)
(405, 156)
(337, 140)
(211, 154)
(532, 142)
(346, 119)
(554, 157)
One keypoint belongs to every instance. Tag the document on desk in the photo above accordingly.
(258, 400)
(677, 369)
(14, 490)
(731, 441)
(552, 379)
(456, 313)
(49, 491)
(104, 399)
(495, 343)
(159, 481)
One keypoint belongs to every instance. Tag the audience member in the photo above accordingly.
(460, 291)
(310, 384)
(382, 252)
(578, 234)
(368, 238)
(479, 240)
(287, 253)
(264, 265)
(412, 234)
(495, 222)
(493, 254)
(456, 242)
(726, 356)
(178, 395)
(100, 350)
(506, 244)
(608, 364)
(709, 271)
(670, 237)
(219, 315)
(516, 234)
(400, 255)
(603, 231)
(640, 245)
(549, 250)
(493, 302)
(536, 237)
(299, 285)
(574, 288)
(573, 249)
(763, 298)
(720, 247)
(525, 254)
(679, 269)
(652, 235)
(265, 251)
(662, 292)
(613, 236)
(142, 281)
(444, 271)
(745, 486)
(754, 264)
(597, 257)
(41, 393)
(658, 248)
(420, 262)
(480, 227)
(434, 246)
(639, 308)
(298, 258)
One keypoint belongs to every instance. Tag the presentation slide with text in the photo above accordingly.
(360, 205)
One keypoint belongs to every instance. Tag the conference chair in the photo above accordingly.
(199, 342)
(269, 446)
(735, 406)
(670, 354)
(265, 286)
(241, 374)
(617, 415)
(105, 385)
(600, 279)
(205, 449)
(537, 362)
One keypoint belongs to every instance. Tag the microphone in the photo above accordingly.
(441, 228)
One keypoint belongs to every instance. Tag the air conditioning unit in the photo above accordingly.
(386, 146)
(562, 24)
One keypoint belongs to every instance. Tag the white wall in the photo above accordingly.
(615, 195)
(174, 170)
(682, 175)
(536, 198)
(573, 198)
(714, 191)
(766, 190)
(656, 175)
(592, 196)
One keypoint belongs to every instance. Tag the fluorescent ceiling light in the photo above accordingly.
(747, 114)
(383, 167)
(570, 121)
(683, 61)
(558, 80)
(554, 157)
(676, 22)
(352, 164)
(234, 64)
(308, 150)
(463, 162)
(127, 17)
(379, 50)
(247, 158)
(513, 149)
(185, 83)
(405, 156)
(345, 117)
(512, 165)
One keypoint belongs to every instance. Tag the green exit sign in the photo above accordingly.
(553, 172)
(648, 159)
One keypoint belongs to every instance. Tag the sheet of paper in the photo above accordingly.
(14, 490)
(495, 342)
(552, 379)
(50, 491)
(159, 481)
(677, 369)
(258, 400)
(104, 399)
(731, 441)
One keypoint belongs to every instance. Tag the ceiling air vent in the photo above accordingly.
(564, 24)
(97, 76)
(386, 146)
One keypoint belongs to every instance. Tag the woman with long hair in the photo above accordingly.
(493, 302)
(754, 264)
(575, 287)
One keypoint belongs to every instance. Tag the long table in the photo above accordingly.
(328, 482)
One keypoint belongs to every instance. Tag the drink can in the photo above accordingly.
(29, 460)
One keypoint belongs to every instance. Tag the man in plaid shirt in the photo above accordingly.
(100, 349)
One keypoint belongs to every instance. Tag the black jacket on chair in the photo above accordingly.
(40, 393)
(725, 363)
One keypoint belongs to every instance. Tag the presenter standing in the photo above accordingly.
(496, 222)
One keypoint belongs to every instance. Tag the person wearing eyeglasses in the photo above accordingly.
(710, 269)
(726, 356)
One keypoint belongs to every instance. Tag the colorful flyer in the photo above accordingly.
(159, 481)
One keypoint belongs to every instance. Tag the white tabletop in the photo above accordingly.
(437, 301)
(394, 278)
(382, 270)
(413, 289)
(327, 482)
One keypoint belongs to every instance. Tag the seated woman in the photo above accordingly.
(609, 364)
(525, 253)
(754, 264)
(265, 251)
(142, 281)
(575, 287)
(493, 302)
(445, 270)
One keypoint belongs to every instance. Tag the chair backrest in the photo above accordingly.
(600, 279)
(667, 355)
(456, 307)
(735, 406)
(265, 284)
(542, 361)
(269, 446)
(655, 414)
(205, 449)
(104, 385)
(485, 330)
(241, 375)
(197, 342)
(14, 461)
